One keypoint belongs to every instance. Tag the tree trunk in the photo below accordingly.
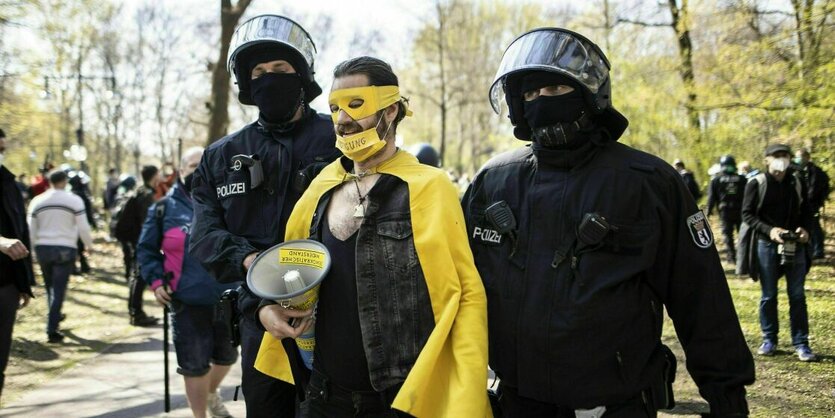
(219, 122)
(443, 106)
(685, 50)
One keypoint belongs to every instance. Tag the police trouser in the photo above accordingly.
(82, 256)
(515, 406)
(136, 285)
(128, 257)
(730, 222)
(265, 396)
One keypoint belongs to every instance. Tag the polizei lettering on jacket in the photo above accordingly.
(231, 189)
(487, 235)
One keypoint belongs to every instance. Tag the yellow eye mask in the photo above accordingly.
(362, 102)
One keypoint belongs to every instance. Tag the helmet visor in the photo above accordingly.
(554, 50)
(271, 28)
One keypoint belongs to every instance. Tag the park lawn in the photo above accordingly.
(785, 387)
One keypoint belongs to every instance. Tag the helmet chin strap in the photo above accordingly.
(560, 134)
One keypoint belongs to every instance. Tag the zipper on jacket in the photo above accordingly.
(620, 366)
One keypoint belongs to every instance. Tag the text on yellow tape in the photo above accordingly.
(301, 257)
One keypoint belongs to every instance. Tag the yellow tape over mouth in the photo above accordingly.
(367, 101)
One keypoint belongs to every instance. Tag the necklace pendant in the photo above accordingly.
(359, 211)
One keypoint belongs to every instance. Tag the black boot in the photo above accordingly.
(143, 320)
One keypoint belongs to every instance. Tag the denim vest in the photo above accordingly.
(395, 312)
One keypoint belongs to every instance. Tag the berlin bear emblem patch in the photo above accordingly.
(700, 230)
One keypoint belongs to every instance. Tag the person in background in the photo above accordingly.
(127, 229)
(689, 179)
(79, 183)
(725, 194)
(746, 170)
(17, 278)
(204, 349)
(167, 180)
(125, 191)
(57, 220)
(817, 182)
(22, 186)
(111, 188)
(773, 239)
(41, 181)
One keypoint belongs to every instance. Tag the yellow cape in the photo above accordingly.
(449, 378)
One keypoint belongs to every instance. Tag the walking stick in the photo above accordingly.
(165, 310)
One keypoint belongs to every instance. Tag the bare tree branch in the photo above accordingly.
(760, 106)
(641, 23)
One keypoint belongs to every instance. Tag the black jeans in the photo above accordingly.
(264, 395)
(515, 406)
(730, 223)
(9, 299)
(325, 400)
(128, 257)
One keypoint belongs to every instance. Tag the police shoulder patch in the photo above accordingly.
(700, 230)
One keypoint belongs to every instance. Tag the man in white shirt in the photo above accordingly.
(56, 220)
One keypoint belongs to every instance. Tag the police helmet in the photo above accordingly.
(426, 154)
(272, 31)
(127, 182)
(565, 53)
(727, 159)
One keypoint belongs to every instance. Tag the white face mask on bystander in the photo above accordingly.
(778, 164)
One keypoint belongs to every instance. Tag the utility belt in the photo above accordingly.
(227, 313)
(644, 401)
(321, 387)
(659, 395)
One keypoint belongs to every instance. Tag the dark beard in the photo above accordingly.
(354, 127)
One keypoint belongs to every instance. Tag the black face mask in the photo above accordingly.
(555, 120)
(277, 95)
(187, 183)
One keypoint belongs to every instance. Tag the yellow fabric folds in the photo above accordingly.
(450, 375)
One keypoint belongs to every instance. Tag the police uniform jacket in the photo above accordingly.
(580, 325)
(233, 219)
(725, 193)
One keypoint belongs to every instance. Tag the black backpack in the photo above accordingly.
(131, 216)
(117, 212)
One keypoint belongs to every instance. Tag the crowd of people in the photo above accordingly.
(554, 268)
(777, 214)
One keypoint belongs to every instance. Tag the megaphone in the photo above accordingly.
(290, 274)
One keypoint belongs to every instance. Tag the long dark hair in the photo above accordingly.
(379, 73)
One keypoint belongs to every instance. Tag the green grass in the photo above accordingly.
(785, 387)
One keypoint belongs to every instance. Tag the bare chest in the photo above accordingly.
(348, 202)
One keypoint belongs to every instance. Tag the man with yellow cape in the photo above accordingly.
(401, 325)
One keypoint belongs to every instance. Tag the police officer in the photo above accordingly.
(689, 179)
(248, 182)
(426, 154)
(581, 241)
(725, 193)
(817, 185)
